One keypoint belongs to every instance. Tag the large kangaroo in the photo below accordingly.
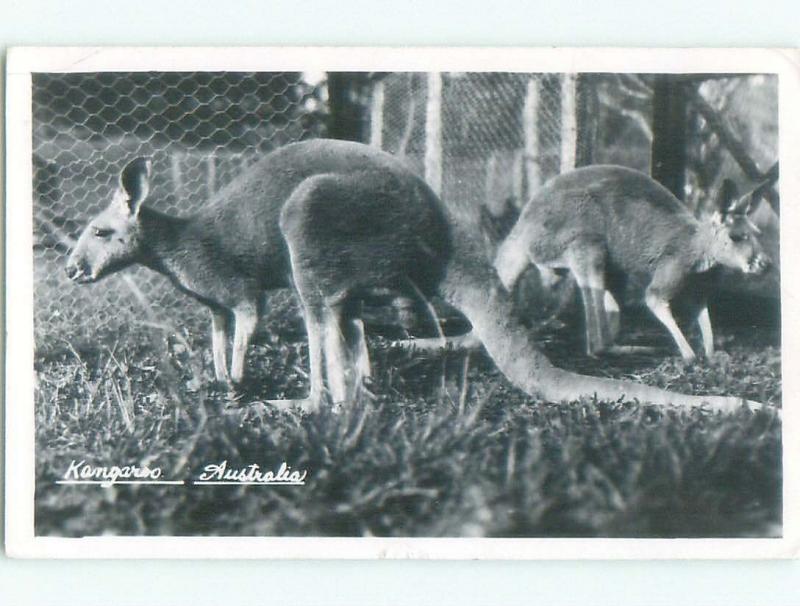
(602, 220)
(347, 221)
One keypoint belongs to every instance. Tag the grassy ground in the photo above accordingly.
(447, 448)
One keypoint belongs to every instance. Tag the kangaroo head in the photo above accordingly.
(735, 238)
(111, 241)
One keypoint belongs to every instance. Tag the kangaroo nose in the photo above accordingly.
(762, 264)
(74, 271)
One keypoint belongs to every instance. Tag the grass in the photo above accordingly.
(438, 452)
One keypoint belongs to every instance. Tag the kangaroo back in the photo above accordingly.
(236, 231)
(635, 219)
(249, 208)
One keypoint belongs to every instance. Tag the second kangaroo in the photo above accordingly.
(602, 220)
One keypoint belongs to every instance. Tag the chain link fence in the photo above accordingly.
(200, 129)
(480, 139)
(499, 137)
(484, 141)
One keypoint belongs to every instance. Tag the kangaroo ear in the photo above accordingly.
(134, 180)
(759, 191)
(727, 197)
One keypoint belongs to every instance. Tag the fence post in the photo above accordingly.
(376, 115)
(569, 121)
(587, 109)
(668, 154)
(347, 117)
(433, 133)
(530, 114)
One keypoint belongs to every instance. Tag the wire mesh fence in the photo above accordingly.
(482, 140)
(499, 134)
(485, 142)
(200, 129)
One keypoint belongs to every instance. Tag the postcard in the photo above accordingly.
(494, 303)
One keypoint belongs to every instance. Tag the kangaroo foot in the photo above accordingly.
(467, 341)
(412, 345)
(597, 352)
(233, 396)
(631, 349)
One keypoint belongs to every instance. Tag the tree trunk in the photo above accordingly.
(668, 155)
(433, 133)
(569, 122)
(347, 117)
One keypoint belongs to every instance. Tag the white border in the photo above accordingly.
(20, 540)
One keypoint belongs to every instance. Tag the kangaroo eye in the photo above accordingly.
(740, 237)
(99, 232)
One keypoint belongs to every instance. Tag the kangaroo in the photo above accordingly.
(343, 222)
(599, 221)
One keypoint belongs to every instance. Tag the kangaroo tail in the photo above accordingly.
(473, 287)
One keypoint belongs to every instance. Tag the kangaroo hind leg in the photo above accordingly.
(337, 353)
(328, 267)
(220, 323)
(346, 355)
(704, 322)
(245, 317)
(314, 318)
(587, 263)
(356, 339)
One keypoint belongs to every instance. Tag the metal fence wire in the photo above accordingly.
(500, 135)
(200, 129)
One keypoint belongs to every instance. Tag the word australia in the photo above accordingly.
(252, 474)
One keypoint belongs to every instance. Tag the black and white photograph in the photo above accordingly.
(502, 303)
